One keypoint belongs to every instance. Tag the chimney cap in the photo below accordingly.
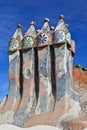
(61, 16)
(32, 23)
(19, 26)
(46, 20)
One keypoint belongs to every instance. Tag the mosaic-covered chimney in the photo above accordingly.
(40, 65)
(40, 75)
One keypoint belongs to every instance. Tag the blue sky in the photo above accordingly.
(13, 12)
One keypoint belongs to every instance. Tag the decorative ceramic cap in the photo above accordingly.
(18, 33)
(46, 27)
(32, 23)
(44, 37)
(19, 26)
(60, 31)
(61, 16)
(15, 42)
(46, 20)
(29, 37)
(61, 24)
(31, 31)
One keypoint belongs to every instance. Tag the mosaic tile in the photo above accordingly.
(42, 38)
(28, 42)
(13, 45)
(59, 36)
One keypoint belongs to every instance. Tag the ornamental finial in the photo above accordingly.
(61, 16)
(46, 20)
(19, 26)
(32, 23)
